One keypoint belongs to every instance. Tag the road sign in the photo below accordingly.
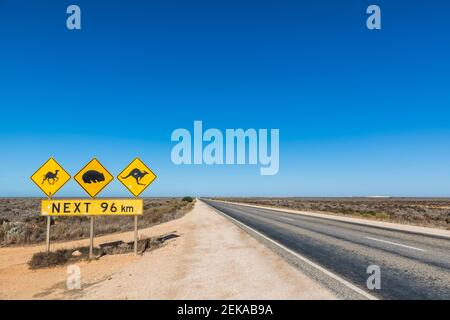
(50, 177)
(93, 177)
(136, 177)
(92, 207)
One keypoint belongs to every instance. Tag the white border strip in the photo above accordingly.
(306, 260)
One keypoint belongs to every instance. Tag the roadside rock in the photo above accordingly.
(76, 253)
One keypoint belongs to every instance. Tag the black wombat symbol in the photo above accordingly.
(93, 176)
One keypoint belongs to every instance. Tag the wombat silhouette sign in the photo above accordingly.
(93, 178)
(136, 177)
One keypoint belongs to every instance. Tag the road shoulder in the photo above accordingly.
(211, 259)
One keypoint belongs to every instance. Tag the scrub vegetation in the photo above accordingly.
(21, 223)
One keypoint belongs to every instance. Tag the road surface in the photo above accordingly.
(413, 266)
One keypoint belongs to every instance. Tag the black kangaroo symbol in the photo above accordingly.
(51, 176)
(137, 174)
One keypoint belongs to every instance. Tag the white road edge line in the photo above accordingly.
(396, 244)
(306, 260)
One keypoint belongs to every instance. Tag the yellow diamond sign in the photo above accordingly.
(50, 177)
(93, 177)
(136, 177)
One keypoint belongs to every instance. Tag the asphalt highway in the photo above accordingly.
(412, 266)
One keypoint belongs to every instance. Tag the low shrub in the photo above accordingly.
(188, 199)
(50, 259)
(64, 256)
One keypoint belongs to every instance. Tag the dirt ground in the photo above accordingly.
(210, 258)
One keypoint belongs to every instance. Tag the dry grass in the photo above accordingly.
(21, 223)
(415, 211)
(59, 257)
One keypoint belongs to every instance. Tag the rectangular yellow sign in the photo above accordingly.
(92, 207)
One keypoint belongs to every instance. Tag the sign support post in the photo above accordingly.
(50, 177)
(47, 242)
(136, 177)
(93, 177)
(135, 234)
(47, 237)
(49, 223)
(91, 241)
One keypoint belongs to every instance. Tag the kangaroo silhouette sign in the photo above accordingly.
(93, 177)
(50, 177)
(136, 177)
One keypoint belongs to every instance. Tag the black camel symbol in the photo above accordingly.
(137, 174)
(51, 176)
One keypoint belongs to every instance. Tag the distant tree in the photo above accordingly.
(188, 199)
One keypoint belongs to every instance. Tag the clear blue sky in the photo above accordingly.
(360, 112)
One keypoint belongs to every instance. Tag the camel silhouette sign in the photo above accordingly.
(93, 178)
(50, 177)
(136, 177)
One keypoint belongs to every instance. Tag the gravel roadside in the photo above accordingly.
(211, 259)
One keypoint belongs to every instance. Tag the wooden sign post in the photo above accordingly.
(136, 177)
(93, 178)
(50, 177)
